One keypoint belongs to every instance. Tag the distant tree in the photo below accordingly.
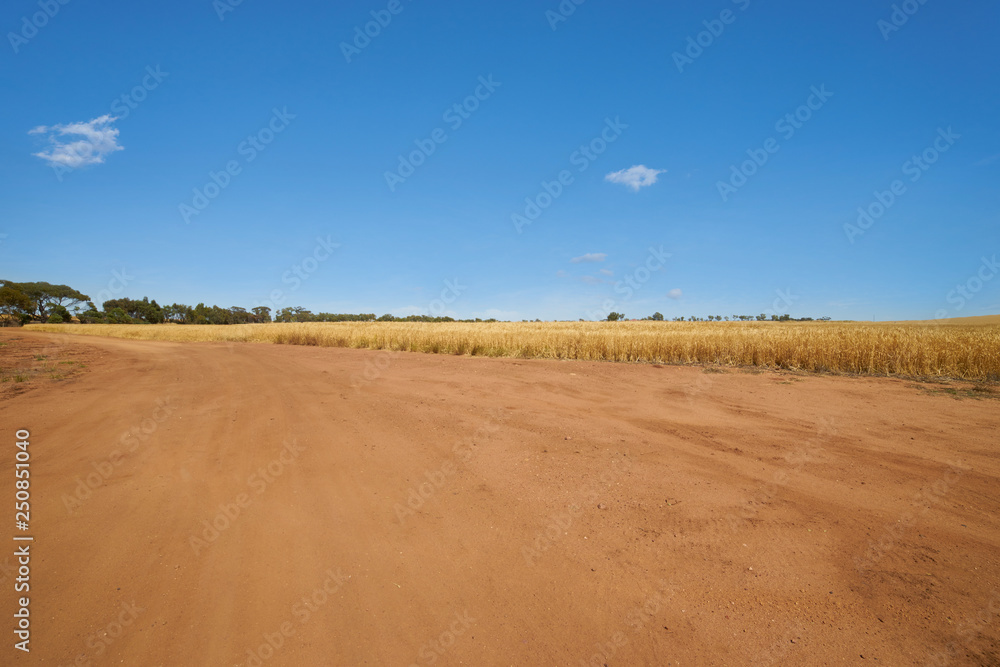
(262, 314)
(614, 317)
(46, 295)
(16, 307)
(761, 317)
(656, 317)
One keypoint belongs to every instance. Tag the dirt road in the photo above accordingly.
(212, 504)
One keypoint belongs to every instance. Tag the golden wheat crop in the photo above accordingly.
(907, 349)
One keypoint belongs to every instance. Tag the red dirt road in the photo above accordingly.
(449, 510)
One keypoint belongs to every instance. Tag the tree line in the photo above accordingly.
(21, 303)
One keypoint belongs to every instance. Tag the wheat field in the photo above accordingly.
(901, 349)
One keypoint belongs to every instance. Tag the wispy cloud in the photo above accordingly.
(635, 177)
(79, 144)
(590, 257)
(675, 294)
(988, 160)
(607, 272)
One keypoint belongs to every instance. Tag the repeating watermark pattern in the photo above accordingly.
(436, 648)
(786, 126)
(376, 368)
(223, 7)
(965, 292)
(777, 652)
(782, 303)
(98, 137)
(301, 612)
(914, 168)
(807, 452)
(559, 523)
(636, 620)
(581, 158)
(300, 272)
(248, 149)
(899, 17)
(455, 116)
(258, 482)
(967, 630)
(633, 282)
(714, 28)
(920, 505)
(98, 642)
(127, 102)
(117, 285)
(562, 13)
(129, 442)
(433, 480)
(30, 25)
(363, 35)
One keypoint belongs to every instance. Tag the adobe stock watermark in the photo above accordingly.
(562, 13)
(787, 126)
(223, 7)
(636, 620)
(920, 505)
(714, 28)
(436, 648)
(100, 641)
(633, 281)
(379, 366)
(30, 25)
(129, 442)
(581, 158)
(433, 480)
(455, 116)
(782, 302)
(258, 482)
(248, 150)
(967, 630)
(915, 168)
(363, 35)
(808, 452)
(899, 17)
(300, 272)
(301, 612)
(559, 523)
(120, 109)
(117, 285)
(965, 292)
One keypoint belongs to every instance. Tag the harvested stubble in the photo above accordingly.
(915, 350)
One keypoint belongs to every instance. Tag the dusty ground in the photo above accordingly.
(492, 512)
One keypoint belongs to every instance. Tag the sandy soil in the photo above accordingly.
(395, 509)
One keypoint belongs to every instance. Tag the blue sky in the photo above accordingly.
(118, 112)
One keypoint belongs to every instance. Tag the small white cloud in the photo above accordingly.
(638, 176)
(90, 142)
(590, 257)
(986, 161)
(607, 272)
(675, 293)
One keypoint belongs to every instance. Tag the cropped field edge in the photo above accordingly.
(902, 350)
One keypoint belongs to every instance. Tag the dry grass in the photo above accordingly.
(914, 350)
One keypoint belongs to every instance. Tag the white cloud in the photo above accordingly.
(89, 143)
(675, 293)
(986, 161)
(638, 176)
(607, 272)
(590, 257)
